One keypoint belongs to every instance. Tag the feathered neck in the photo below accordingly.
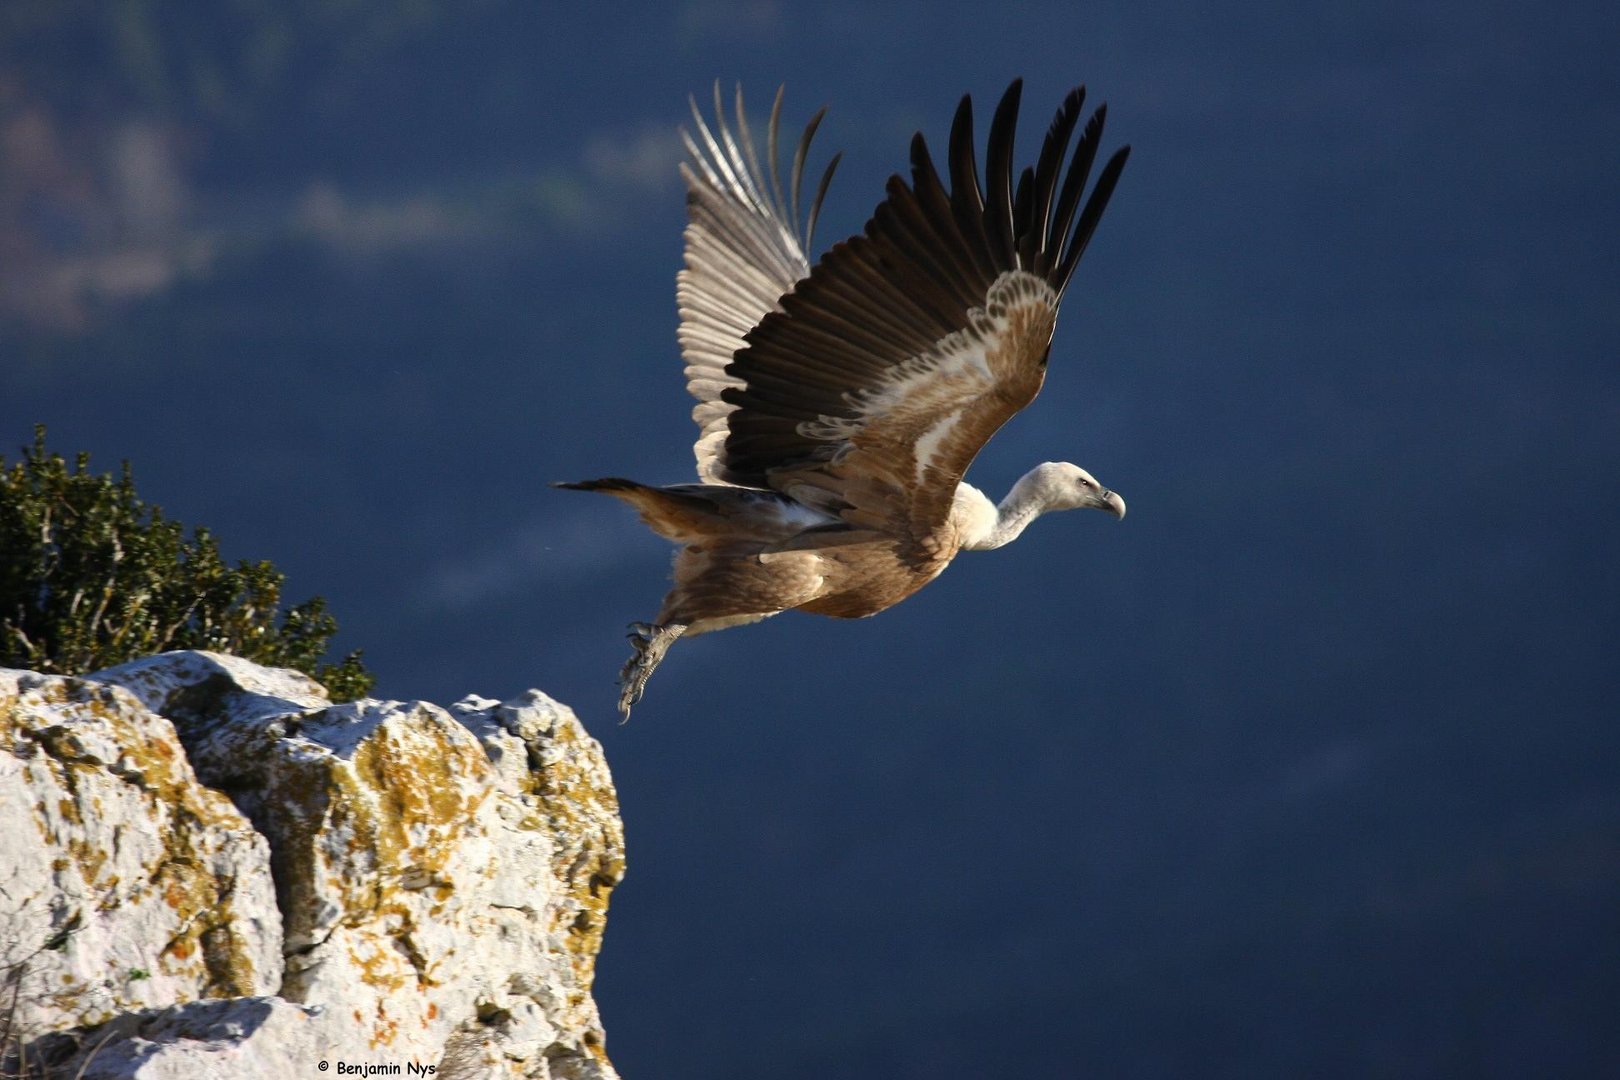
(985, 525)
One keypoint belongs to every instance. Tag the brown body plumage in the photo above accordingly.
(839, 406)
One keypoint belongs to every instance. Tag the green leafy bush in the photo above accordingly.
(90, 576)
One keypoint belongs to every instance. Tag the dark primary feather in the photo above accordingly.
(998, 168)
(925, 259)
(1047, 171)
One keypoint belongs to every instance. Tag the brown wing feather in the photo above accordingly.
(871, 389)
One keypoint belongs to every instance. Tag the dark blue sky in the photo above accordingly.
(1310, 767)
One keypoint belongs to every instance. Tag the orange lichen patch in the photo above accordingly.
(380, 967)
(384, 1029)
(381, 947)
(69, 810)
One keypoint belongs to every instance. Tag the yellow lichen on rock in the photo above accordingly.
(439, 878)
(120, 860)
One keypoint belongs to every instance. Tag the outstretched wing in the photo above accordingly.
(873, 387)
(743, 252)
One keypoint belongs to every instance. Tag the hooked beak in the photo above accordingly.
(1111, 502)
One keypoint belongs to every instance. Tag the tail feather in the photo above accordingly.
(606, 483)
(675, 515)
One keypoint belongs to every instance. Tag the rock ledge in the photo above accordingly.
(208, 869)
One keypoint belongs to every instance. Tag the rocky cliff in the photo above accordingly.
(208, 869)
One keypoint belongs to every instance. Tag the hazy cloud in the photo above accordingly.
(371, 227)
(147, 184)
(643, 160)
(118, 222)
(616, 174)
(731, 20)
(85, 222)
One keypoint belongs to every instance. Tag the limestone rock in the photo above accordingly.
(437, 880)
(246, 1038)
(124, 883)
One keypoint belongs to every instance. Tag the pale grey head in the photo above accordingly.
(1058, 485)
(1053, 485)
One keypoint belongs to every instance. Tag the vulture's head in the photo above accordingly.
(1063, 486)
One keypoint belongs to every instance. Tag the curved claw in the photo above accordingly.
(650, 642)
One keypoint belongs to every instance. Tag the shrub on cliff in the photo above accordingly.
(90, 576)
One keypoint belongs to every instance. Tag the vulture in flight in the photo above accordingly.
(840, 404)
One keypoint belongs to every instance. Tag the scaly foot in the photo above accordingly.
(651, 642)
